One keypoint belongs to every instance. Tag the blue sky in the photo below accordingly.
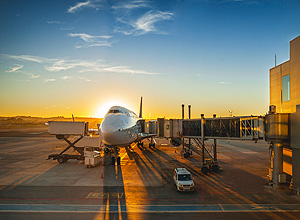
(79, 57)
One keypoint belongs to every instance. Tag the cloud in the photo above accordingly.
(224, 83)
(31, 75)
(67, 28)
(125, 69)
(82, 66)
(92, 41)
(69, 64)
(14, 69)
(80, 5)
(147, 22)
(36, 59)
(88, 38)
(49, 80)
(17, 69)
(55, 22)
(66, 77)
(132, 5)
(143, 24)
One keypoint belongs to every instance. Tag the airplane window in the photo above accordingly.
(111, 111)
(116, 111)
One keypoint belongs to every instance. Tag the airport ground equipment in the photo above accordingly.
(92, 157)
(183, 180)
(63, 130)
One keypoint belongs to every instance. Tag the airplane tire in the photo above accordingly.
(118, 160)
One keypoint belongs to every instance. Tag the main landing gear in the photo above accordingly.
(115, 156)
(140, 144)
(152, 143)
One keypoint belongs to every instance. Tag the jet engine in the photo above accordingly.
(176, 142)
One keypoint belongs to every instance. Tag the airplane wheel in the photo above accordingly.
(119, 160)
(113, 160)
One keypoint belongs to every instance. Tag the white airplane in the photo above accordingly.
(120, 128)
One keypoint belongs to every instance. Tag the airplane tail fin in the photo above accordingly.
(141, 107)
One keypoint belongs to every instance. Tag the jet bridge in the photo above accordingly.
(194, 134)
(280, 130)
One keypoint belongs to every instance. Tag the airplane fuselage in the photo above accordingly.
(119, 127)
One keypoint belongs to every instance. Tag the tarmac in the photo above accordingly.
(32, 187)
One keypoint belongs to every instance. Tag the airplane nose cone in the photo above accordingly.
(111, 123)
(109, 129)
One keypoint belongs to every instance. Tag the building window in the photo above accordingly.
(286, 88)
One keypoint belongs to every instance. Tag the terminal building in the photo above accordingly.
(285, 95)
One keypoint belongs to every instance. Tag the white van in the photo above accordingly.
(183, 180)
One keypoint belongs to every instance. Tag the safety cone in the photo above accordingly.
(101, 175)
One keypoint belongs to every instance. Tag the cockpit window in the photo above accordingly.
(115, 111)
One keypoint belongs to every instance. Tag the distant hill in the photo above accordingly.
(28, 121)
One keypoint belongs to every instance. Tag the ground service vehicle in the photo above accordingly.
(183, 180)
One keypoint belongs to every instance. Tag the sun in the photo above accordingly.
(105, 106)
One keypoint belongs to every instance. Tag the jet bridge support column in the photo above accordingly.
(277, 164)
(202, 138)
(190, 151)
(277, 133)
(215, 146)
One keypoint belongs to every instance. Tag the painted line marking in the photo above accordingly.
(148, 208)
(93, 195)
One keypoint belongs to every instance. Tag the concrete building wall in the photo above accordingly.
(291, 154)
(292, 68)
(295, 70)
(295, 143)
(276, 75)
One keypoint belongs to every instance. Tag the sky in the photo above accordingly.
(59, 58)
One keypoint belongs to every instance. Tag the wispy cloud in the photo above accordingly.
(14, 69)
(31, 58)
(31, 75)
(132, 5)
(125, 69)
(93, 41)
(67, 28)
(55, 22)
(66, 77)
(49, 80)
(81, 5)
(58, 64)
(248, 2)
(18, 69)
(88, 38)
(147, 22)
(224, 83)
(139, 17)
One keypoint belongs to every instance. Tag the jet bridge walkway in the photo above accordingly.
(193, 134)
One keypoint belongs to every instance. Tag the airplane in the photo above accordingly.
(121, 127)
